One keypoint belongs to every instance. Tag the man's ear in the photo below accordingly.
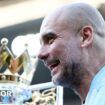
(86, 36)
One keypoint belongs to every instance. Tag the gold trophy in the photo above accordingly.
(16, 74)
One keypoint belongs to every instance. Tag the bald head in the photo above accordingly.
(76, 16)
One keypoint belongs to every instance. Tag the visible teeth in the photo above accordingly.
(55, 64)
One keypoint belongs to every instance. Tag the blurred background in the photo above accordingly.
(24, 17)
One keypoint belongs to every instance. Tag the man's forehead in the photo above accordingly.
(52, 26)
(47, 23)
(48, 27)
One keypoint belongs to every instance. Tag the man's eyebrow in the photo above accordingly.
(48, 34)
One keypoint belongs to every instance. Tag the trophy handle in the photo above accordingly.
(45, 94)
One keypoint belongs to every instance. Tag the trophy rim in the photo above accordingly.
(7, 78)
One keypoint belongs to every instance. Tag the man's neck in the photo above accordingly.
(83, 89)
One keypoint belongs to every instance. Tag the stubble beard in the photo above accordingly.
(71, 76)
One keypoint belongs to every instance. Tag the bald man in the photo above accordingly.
(73, 48)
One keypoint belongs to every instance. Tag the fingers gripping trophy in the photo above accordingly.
(16, 73)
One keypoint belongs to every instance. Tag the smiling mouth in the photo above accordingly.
(54, 64)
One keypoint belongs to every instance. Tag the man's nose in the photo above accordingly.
(43, 54)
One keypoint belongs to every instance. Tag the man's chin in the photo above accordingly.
(59, 82)
(54, 81)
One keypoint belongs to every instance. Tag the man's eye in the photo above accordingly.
(51, 41)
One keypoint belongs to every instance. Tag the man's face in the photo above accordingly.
(60, 51)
